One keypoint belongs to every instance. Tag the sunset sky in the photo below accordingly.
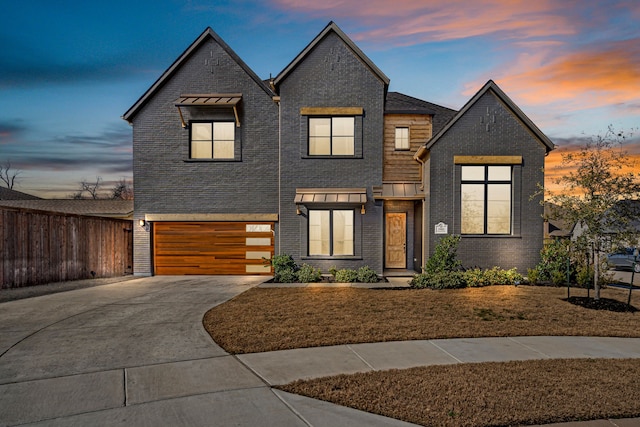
(70, 69)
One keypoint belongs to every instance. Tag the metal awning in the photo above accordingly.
(209, 100)
(354, 196)
(399, 191)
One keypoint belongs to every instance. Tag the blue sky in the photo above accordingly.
(70, 69)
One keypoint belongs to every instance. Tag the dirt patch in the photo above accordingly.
(489, 394)
(284, 318)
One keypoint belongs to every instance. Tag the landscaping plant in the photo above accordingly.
(284, 268)
(308, 274)
(367, 275)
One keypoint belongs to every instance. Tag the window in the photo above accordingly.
(486, 199)
(212, 140)
(331, 136)
(331, 232)
(402, 138)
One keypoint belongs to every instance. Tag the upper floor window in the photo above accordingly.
(402, 138)
(331, 136)
(212, 140)
(486, 199)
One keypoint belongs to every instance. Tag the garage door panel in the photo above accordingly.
(212, 248)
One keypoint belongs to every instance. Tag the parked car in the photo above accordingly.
(624, 259)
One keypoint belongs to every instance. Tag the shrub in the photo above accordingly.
(444, 257)
(439, 280)
(553, 261)
(308, 274)
(346, 275)
(366, 275)
(584, 276)
(498, 276)
(558, 277)
(284, 268)
(476, 278)
(533, 276)
(286, 276)
(283, 262)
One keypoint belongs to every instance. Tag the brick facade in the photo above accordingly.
(272, 159)
(489, 128)
(331, 75)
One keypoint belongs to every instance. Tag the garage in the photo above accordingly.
(212, 248)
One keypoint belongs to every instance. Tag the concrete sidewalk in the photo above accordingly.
(285, 366)
(136, 353)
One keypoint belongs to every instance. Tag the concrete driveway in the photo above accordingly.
(136, 353)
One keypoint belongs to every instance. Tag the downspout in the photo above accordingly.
(277, 100)
(418, 157)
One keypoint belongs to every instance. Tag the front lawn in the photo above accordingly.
(479, 395)
(284, 318)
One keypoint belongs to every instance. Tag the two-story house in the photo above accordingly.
(323, 163)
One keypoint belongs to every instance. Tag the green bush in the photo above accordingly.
(559, 277)
(346, 275)
(533, 276)
(444, 257)
(440, 280)
(366, 275)
(471, 278)
(285, 276)
(498, 276)
(284, 268)
(476, 278)
(553, 261)
(584, 275)
(308, 274)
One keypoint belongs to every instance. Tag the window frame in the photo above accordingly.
(331, 237)
(212, 141)
(486, 183)
(408, 139)
(332, 136)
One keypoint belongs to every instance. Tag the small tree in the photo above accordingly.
(91, 188)
(122, 190)
(9, 175)
(595, 196)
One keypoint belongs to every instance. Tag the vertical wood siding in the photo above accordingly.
(44, 247)
(400, 165)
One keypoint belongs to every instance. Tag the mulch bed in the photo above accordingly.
(607, 304)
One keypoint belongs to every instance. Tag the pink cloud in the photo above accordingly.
(406, 22)
(599, 75)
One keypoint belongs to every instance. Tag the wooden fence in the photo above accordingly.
(38, 247)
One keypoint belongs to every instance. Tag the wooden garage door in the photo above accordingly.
(212, 247)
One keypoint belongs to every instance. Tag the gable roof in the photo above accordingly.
(208, 33)
(9, 194)
(492, 87)
(332, 28)
(399, 103)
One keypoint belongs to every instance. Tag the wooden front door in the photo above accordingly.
(396, 237)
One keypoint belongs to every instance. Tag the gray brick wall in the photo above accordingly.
(331, 76)
(506, 136)
(167, 182)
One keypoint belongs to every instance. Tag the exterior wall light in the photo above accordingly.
(362, 211)
(144, 224)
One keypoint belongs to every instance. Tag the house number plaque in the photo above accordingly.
(441, 228)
